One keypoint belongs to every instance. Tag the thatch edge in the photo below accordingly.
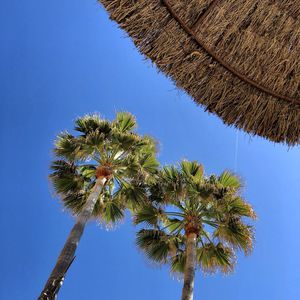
(240, 106)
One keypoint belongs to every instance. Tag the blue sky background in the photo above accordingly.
(62, 59)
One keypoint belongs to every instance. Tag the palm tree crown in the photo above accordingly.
(183, 202)
(103, 149)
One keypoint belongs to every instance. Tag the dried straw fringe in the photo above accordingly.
(260, 39)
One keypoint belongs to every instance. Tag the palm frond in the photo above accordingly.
(227, 179)
(66, 146)
(150, 144)
(133, 195)
(149, 215)
(94, 139)
(173, 225)
(178, 262)
(88, 171)
(125, 122)
(91, 123)
(170, 174)
(172, 182)
(212, 258)
(237, 207)
(237, 234)
(155, 245)
(149, 164)
(65, 177)
(74, 202)
(113, 211)
(192, 170)
(125, 141)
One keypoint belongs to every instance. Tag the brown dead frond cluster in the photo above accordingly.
(237, 58)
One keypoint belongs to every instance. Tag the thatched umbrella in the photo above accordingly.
(237, 58)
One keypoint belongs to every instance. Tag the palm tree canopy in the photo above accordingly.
(109, 149)
(183, 201)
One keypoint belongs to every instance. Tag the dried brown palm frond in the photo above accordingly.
(237, 58)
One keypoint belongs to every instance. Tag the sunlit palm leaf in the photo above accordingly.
(227, 179)
(212, 257)
(113, 211)
(178, 262)
(90, 123)
(193, 170)
(237, 234)
(148, 214)
(155, 245)
(125, 121)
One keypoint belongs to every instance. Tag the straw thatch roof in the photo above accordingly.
(237, 58)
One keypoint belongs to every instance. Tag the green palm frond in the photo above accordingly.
(227, 179)
(149, 215)
(94, 139)
(88, 171)
(148, 163)
(171, 180)
(173, 225)
(125, 122)
(171, 174)
(156, 192)
(236, 206)
(155, 245)
(192, 170)
(178, 262)
(133, 195)
(60, 167)
(237, 234)
(66, 146)
(65, 177)
(74, 202)
(212, 257)
(126, 141)
(90, 123)
(113, 211)
(150, 144)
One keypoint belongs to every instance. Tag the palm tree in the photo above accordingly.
(195, 221)
(98, 173)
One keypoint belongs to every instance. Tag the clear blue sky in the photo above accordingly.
(61, 59)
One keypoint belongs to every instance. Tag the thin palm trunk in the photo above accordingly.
(190, 265)
(67, 254)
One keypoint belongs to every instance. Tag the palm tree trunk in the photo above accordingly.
(67, 254)
(190, 265)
